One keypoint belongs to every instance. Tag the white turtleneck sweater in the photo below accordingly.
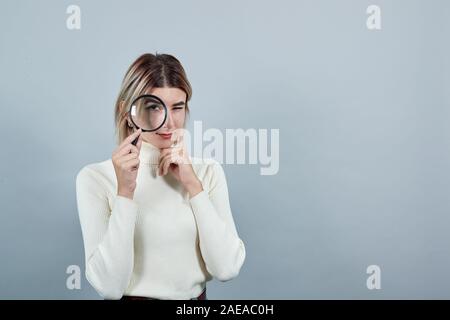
(162, 244)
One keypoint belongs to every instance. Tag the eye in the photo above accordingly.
(153, 107)
(178, 108)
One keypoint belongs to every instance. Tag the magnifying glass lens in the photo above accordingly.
(148, 113)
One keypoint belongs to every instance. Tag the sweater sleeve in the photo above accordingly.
(108, 235)
(222, 250)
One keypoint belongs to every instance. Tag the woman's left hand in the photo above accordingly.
(176, 160)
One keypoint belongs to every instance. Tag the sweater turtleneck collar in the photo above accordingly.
(149, 153)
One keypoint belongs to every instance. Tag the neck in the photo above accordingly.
(149, 153)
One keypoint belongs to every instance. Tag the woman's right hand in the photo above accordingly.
(125, 159)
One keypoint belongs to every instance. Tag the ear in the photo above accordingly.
(129, 122)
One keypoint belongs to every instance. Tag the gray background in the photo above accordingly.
(364, 150)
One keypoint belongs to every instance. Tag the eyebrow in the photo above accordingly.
(181, 103)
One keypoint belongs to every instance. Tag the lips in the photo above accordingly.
(165, 135)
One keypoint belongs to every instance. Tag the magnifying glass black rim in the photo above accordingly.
(150, 96)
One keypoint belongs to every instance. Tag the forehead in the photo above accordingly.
(168, 95)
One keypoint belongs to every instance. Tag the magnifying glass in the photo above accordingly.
(147, 112)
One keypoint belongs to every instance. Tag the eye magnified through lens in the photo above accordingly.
(147, 112)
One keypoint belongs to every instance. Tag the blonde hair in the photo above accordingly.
(147, 72)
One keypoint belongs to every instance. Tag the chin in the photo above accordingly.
(164, 144)
(160, 143)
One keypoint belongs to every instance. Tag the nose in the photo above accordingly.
(169, 123)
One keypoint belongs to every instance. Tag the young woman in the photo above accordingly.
(155, 224)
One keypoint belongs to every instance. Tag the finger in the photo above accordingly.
(164, 158)
(127, 149)
(164, 152)
(139, 143)
(131, 137)
(177, 155)
(123, 149)
(174, 138)
(127, 157)
(167, 163)
(131, 165)
(172, 150)
(162, 166)
(178, 136)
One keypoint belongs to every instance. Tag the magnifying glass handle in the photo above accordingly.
(134, 142)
